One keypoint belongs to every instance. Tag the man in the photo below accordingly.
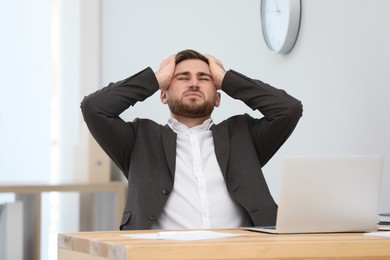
(192, 173)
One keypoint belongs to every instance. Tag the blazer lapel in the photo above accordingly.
(169, 141)
(221, 144)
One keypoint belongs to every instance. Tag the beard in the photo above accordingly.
(191, 109)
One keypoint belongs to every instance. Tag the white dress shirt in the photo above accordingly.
(199, 198)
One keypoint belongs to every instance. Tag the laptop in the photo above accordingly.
(320, 194)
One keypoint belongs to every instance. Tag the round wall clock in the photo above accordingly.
(280, 21)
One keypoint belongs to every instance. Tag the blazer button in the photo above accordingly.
(165, 191)
(152, 218)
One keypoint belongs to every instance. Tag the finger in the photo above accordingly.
(212, 59)
(167, 61)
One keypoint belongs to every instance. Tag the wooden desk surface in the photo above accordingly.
(62, 187)
(254, 245)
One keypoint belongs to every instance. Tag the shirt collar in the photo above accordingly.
(178, 127)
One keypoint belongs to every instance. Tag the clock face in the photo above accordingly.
(280, 23)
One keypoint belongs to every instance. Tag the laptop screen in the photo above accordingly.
(329, 193)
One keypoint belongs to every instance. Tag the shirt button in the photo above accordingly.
(165, 191)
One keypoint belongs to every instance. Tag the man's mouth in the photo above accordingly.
(193, 94)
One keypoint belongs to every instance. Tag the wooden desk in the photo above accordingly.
(111, 245)
(31, 195)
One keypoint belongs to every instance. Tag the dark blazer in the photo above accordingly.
(146, 151)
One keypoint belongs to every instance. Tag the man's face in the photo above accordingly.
(192, 92)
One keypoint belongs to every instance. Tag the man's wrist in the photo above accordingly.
(163, 80)
(218, 81)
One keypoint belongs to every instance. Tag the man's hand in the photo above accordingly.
(217, 70)
(164, 74)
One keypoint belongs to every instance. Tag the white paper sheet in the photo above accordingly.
(379, 234)
(183, 235)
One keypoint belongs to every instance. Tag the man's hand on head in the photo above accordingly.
(217, 70)
(164, 74)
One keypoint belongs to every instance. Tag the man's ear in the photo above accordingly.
(217, 99)
(163, 96)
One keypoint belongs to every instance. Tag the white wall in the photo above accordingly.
(48, 53)
(338, 68)
(25, 91)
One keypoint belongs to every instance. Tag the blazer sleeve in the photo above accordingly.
(281, 112)
(102, 108)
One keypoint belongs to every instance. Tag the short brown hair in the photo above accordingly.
(190, 54)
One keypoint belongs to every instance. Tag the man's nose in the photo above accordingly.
(194, 83)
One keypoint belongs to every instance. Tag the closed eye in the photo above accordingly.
(204, 76)
(182, 78)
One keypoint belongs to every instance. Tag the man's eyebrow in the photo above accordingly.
(185, 73)
(204, 74)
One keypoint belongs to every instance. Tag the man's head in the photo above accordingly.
(190, 54)
(192, 93)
